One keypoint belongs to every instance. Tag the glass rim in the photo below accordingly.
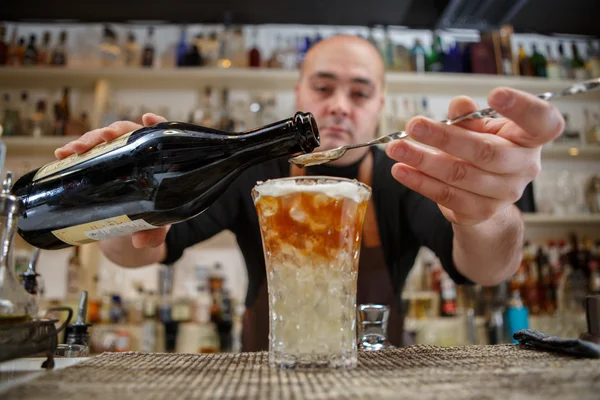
(314, 178)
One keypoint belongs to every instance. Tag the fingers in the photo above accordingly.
(477, 207)
(150, 238)
(486, 151)
(149, 119)
(461, 174)
(540, 121)
(464, 105)
(95, 137)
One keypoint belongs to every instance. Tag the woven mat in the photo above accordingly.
(416, 372)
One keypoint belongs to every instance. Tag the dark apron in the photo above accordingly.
(374, 282)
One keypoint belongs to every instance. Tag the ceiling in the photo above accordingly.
(535, 16)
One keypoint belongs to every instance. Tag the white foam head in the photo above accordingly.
(331, 187)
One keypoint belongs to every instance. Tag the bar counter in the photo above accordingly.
(414, 372)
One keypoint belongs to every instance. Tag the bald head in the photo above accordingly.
(341, 84)
(344, 49)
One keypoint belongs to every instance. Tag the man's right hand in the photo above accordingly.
(151, 238)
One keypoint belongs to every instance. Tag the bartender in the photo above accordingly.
(457, 200)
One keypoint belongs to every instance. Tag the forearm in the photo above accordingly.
(490, 252)
(121, 251)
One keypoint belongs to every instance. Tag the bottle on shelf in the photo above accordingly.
(62, 114)
(425, 112)
(593, 64)
(131, 51)
(44, 51)
(225, 38)
(149, 341)
(516, 315)
(10, 120)
(226, 122)
(435, 59)
(419, 57)
(552, 64)
(577, 64)
(124, 186)
(210, 51)
(290, 59)
(388, 49)
(148, 52)
(31, 53)
(525, 67)
(505, 34)
(25, 114)
(3, 45)
(110, 52)
(193, 58)
(538, 62)
(59, 54)
(447, 296)
(17, 53)
(41, 121)
(182, 47)
(566, 70)
(239, 58)
(276, 59)
(254, 56)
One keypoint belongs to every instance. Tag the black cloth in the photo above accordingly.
(406, 221)
(542, 341)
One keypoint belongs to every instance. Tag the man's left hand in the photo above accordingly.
(478, 167)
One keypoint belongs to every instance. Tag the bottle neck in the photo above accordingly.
(290, 136)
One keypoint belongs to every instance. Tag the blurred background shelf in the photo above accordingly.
(563, 152)
(550, 219)
(258, 79)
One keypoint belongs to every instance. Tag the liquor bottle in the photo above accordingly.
(552, 65)
(254, 54)
(182, 48)
(59, 54)
(31, 53)
(10, 120)
(418, 57)
(16, 53)
(276, 59)
(25, 114)
(43, 54)
(226, 123)
(436, 56)
(63, 113)
(225, 39)
(447, 296)
(593, 64)
(153, 176)
(110, 52)
(74, 274)
(290, 58)
(3, 45)
(525, 67)
(238, 49)
(131, 51)
(40, 121)
(577, 64)
(565, 64)
(538, 62)
(148, 52)
(388, 49)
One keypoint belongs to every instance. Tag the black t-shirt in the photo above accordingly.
(406, 220)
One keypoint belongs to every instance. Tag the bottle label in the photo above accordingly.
(101, 230)
(75, 159)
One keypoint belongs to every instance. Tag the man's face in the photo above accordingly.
(341, 86)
